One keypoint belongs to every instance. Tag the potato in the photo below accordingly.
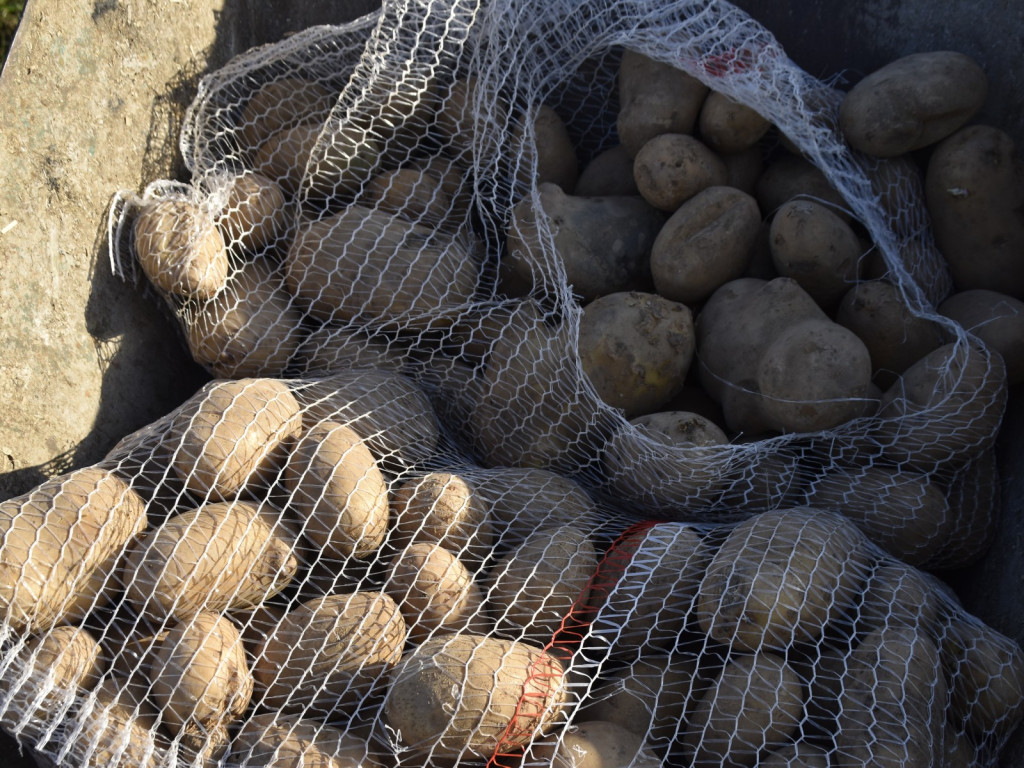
(222, 555)
(815, 247)
(895, 337)
(791, 176)
(272, 740)
(755, 705)
(974, 497)
(457, 119)
(180, 249)
(465, 696)
(652, 696)
(372, 266)
(442, 508)
(891, 702)
(814, 375)
(706, 243)
(594, 744)
(336, 346)
(608, 174)
(821, 672)
(666, 459)
(763, 481)
(551, 150)
(780, 578)
(338, 491)
(415, 195)
(732, 328)
(974, 190)
(902, 511)
(435, 592)
(454, 182)
(386, 409)
(581, 229)
(59, 544)
(334, 168)
(524, 500)
(38, 686)
(117, 727)
(282, 103)
(636, 349)
(254, 215)
(655, 98)
(985, 671)
(530, 408)
(912, 102)
(728, 126)
(673, 167)
(898, 594)
(798, 754)
(199, 674)
(330, 654)
(536, 590)
(945, 409)
(646, 602)
(996, 319)
(251, 328)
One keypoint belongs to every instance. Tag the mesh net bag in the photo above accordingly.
(402, 526)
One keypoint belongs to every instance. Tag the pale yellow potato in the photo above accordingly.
(118, 727)
(457, 696)
(272, 740)
(180, 249)
(338, 491)
(594, 744)
(59, 544)
(282, 103)
(673, 167)
(255, 214)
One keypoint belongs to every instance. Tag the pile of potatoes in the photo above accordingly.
(689, 321)
(293, 572)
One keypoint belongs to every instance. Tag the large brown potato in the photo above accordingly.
(552, 150)
(581, 229)
(912, 102)
(780, 578)
(974, 189)
(375, 267)
(728, 126)
(673, 167)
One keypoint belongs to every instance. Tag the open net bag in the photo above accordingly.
(401, 527)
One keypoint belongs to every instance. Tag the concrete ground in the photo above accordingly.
(91, 100)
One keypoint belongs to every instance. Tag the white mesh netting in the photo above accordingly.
(407, 525)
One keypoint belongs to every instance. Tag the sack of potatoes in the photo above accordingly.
(607, 405)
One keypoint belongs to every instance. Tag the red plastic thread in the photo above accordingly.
(566, 639)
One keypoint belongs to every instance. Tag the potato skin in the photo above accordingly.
(595, 744)
(118, 727)
(706, 243)
(273, 740)
(234, 434)
(995, 318)
(673, 167)
(755, 704)
(533, 589)
(912, 102)
(222, 555)
(553, 151)
(728, 126)
(330, 652)
(636, 349)
(608, 174)
(338, 490)
(280, 104)
(380, 269)
(472, 686)
(442, 508)
(180, 248)
(199, 674)
(59, 544)
(946, 408)
(251, 328)
(780, 578)
(654, 98)
(891, 702)
(974, 190)
(582, 228)
(255, 213)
